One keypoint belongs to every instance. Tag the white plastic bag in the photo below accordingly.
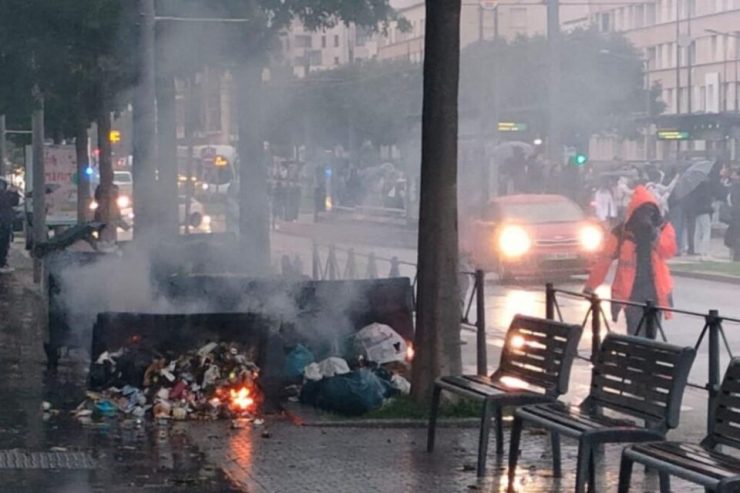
(381, 344)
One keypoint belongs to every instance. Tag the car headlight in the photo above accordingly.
(514, 241)
(123, 202)
(591, 238)
(206, 220)
(93, 205)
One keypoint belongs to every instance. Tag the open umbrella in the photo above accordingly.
(695, 175)
(506, 150)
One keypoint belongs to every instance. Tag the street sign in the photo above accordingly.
(511, 127)
(672, 134)
(60, 177)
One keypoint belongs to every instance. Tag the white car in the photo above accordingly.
(197, 215)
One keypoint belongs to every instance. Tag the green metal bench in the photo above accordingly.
(632, 377)
(535, 367)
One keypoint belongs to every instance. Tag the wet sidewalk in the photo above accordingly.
(49, 452)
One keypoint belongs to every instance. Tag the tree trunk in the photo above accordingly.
(438, 301)
(83, 179)
(167, 151)
(254, 207)
(105, 198)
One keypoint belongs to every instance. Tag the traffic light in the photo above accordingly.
(579, 159)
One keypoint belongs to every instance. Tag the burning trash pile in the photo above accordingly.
(217, 381)
(371, 374)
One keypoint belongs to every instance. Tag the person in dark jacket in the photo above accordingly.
(8, 200)
(698, 208)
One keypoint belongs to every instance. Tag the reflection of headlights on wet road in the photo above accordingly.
(123, 202)
(93, 205)
(591, 238)
(514, 241)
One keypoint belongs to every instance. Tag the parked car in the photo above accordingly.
(533, 236)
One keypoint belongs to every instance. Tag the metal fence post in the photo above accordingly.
(480, 322)
(395, 269)
(331, 264)
(350, 271)
(595, 326)
(714, 324)
(316, 263)
(549, 301)
(649, 314)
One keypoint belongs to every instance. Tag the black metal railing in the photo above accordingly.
(347, 264)
(651, 324)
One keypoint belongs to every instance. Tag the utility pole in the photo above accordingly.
(3, 148)
(144, 128)
(39, 186)
(553, 44)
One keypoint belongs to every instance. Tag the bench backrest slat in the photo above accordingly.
(640, 377)
(726, 427)
(539, 352)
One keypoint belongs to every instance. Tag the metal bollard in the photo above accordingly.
(595, 326)
(480, 323)
(549, 301)
(714, 325)
(395, 268)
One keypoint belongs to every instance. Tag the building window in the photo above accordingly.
(303, 41)
(314, 58)
(519, 17)
(336, 41)
(650, 14)
(336, 60)
(323, 41)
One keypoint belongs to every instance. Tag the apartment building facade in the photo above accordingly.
(692, 49)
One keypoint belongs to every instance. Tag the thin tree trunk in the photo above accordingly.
(438, 306)
(254, 207)
(83, 180)
(167, 152)
(106, 206)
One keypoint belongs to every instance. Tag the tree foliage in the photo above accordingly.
(602, 83)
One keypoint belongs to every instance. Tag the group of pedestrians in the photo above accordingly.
(285, 178)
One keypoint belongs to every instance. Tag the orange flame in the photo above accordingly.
(241, 399)
(410, 352)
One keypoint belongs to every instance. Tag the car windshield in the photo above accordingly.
(542, 212)
(122, 177)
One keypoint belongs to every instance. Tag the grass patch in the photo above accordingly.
(724, 268)
(403, 407)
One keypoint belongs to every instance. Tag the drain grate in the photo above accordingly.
(22, 459)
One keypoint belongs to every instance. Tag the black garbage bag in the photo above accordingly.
(352, 394)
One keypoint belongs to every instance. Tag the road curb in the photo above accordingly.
(392, 423)
(707, 276)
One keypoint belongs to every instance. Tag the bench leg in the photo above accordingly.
(665, 482)
(516, 436)
(432, 430)
(625, 474)
(557, 467)
(485, 429)
(583, 466)
(499, 416)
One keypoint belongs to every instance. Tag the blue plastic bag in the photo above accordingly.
(296, 361)
(353, 394)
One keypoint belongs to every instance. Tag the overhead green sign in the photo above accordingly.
(512, 127)
(672, 134)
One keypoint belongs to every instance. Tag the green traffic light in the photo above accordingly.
(581, 159)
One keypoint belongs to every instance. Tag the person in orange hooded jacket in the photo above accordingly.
(641, 245)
